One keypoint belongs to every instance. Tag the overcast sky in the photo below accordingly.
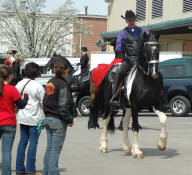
(96, 7)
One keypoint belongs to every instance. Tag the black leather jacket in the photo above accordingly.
(58, 101)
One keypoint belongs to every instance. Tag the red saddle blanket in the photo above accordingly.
(99, 73)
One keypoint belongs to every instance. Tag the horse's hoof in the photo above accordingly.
(161, 148)
(161, 143)
(138, 156)
(103, 150)
(127, 149)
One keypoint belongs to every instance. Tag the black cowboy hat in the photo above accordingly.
(12, 52)
(129, 15)
(84, 49)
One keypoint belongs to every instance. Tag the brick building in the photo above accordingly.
(99, 24)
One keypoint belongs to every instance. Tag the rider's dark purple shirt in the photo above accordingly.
(122, 35)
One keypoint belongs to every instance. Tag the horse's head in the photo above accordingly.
(151, 52)
(52, 61)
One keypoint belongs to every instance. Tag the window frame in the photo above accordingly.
(142, 3)
(157, 10)
(186, 4)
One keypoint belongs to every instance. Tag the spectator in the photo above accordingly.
(59, 110)
(9, 96)
(27, 118)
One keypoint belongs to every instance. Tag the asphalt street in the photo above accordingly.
(80, 155)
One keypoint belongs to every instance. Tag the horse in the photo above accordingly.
(70, 69)
(143, 93)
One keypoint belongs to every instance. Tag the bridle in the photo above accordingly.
(155, 61)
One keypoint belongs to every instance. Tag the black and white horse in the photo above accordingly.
(143, 89)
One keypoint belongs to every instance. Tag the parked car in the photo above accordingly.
(177, 74)
(81, 91)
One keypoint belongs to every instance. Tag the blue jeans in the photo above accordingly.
(27, 134)
(56, 132)
(7, 134)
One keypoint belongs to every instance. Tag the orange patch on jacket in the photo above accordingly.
(50, 89)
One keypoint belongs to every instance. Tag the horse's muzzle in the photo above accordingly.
(155, 75)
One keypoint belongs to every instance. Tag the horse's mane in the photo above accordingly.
(56, 58)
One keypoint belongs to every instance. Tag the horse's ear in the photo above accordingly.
(54, 54)
(154, 36)
(157, 36)
(146, 35)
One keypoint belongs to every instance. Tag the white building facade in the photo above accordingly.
(172, 19)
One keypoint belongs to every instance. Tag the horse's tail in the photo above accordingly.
(111, 125)
(94, 107)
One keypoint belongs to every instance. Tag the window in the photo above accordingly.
(187, 5)
(141, 10)
(157, 8)
(172, 70)
(190, 63)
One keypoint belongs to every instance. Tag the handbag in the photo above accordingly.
(24, 87)
(16, 109)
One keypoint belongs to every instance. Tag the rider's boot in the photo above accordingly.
(114, 101)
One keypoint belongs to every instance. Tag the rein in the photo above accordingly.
(148, 62)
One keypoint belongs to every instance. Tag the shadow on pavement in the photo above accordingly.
(147, 128)
(41, 171)
(168, 153)
(151, 152)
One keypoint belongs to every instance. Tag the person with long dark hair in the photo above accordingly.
(59, 110)
(27, 118)
(9, 97)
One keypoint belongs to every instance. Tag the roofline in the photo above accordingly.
(49, 14)
(169, 24)
(91, 16)
(155, 27)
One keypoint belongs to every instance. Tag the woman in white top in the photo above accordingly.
(27, 119)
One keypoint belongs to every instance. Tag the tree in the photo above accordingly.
(35, 34)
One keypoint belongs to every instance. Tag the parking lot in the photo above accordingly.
(80, 155)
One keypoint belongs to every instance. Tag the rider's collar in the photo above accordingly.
(151, 43)
(131, 29)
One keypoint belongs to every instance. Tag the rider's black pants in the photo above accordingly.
(124, 69)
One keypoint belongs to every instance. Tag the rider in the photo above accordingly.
(129, 44)
(84, 68)
(84, 61)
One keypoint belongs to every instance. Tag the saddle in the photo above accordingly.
(99, 73)
(113, 72)
(126, 84)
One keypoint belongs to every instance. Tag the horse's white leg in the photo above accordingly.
(103, 139)
(126, 141)
(162, 141)
(136, 152)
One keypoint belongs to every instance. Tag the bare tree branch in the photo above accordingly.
(34, 34)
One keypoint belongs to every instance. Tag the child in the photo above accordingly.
(9, 96)
(59, 110)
